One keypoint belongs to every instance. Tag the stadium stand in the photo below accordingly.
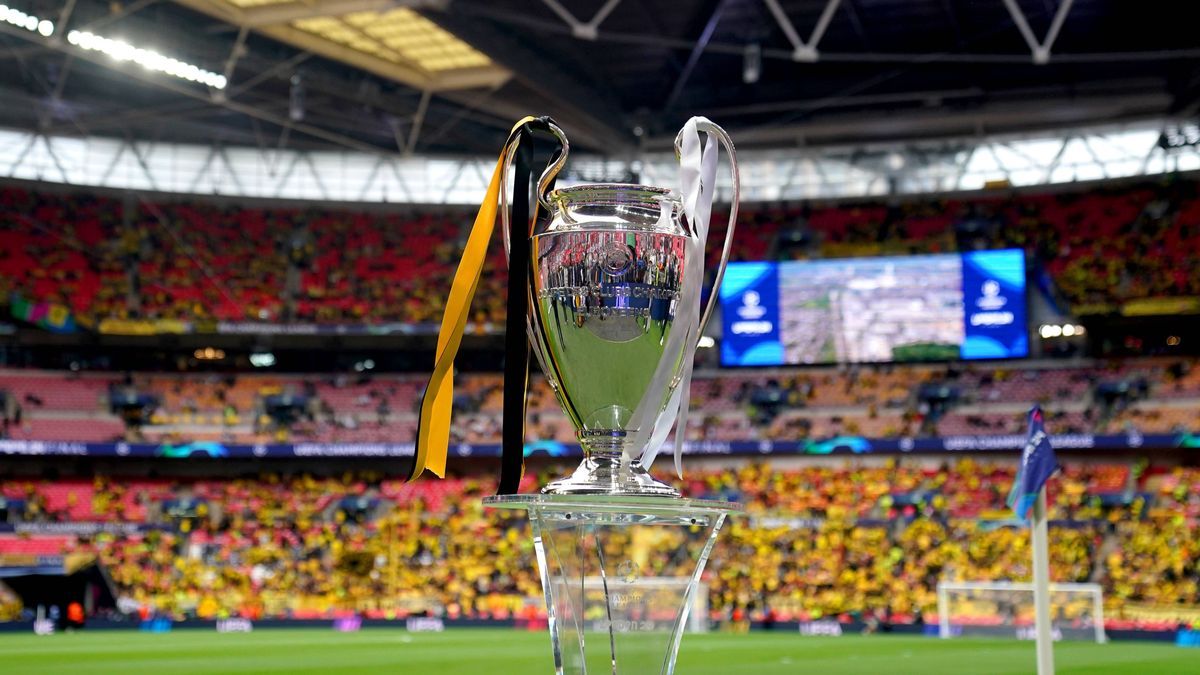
(829, 539)
(198, 261)
(819, 541)
(870, 401)
(823, 539)
(64, 248)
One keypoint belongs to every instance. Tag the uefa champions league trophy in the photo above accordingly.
(614, 317)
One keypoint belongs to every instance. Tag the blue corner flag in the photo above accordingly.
(1038, 463)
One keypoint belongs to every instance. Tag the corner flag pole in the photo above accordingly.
(1041, 586)
(1038, 464)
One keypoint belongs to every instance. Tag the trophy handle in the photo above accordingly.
(543, 188)
(543, 184)
(707, 125)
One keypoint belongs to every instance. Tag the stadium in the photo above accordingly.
(235, 239)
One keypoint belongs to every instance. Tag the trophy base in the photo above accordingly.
(610, 474)
(608, 610)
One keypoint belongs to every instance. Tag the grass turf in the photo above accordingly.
(508, 652)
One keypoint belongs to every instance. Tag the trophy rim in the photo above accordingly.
(622, 196)
(652, 192)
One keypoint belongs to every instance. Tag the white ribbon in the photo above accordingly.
(697, 174)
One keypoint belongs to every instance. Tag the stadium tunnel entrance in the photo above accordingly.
(58, 581)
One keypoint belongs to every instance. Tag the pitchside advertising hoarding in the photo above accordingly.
(837, 445)
(875, 310)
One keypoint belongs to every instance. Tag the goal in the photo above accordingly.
(1005, 609)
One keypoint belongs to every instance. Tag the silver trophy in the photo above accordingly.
(614, 319)
(608, 285)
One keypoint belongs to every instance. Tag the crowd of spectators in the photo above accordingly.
(105, 257)
(69, 249)
(1102, 246)
(202, 261)
(818, 541)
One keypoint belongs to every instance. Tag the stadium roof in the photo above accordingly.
(437, 77)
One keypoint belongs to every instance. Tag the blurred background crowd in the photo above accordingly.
(831, 539)
(106, 257)
(823, 537)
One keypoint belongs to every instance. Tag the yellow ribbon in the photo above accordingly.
(433, 432)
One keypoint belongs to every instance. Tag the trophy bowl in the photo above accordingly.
(606, 282)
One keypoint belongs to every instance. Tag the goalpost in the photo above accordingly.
(1006, 608)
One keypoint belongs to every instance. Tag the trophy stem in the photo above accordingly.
(609, 472)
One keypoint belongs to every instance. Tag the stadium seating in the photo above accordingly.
(818, 540)
(12, 545)
(204, 261)
(874, 402)
(64, 248)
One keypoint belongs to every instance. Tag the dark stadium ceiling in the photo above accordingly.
(387, 75)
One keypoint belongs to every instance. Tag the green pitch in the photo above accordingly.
(510, 652)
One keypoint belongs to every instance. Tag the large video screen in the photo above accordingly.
(873, 310)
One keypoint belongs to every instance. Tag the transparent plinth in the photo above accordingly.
(620, 575)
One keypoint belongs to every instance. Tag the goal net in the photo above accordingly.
(1005, 609)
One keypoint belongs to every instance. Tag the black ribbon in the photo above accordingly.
(516, 342)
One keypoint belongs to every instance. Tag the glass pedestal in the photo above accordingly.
(621, 575)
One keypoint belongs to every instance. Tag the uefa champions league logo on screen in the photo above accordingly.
(990, 298)
(990, 303)
(751, 308)
(750, 316)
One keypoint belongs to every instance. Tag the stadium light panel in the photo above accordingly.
(398, 35)
(29, 22)
(148, 59)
